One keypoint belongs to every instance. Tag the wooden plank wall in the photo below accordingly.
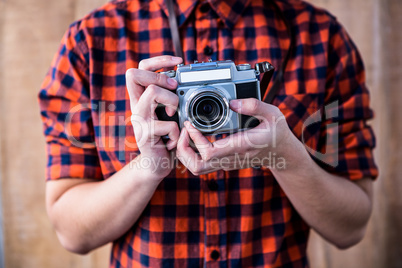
(375, 28)
(30, 31)
(30, 35)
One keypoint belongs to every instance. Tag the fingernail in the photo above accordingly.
(170, 111)
(186, 124)
(171, 82)
(235, 104)
(176, 59)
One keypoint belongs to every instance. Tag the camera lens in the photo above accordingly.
(208, 110)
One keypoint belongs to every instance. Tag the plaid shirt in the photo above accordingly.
(238, 218)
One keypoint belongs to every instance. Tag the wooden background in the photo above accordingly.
(30, 31)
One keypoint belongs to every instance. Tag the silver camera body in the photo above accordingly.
(205, 90)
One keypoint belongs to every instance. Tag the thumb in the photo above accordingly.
(252, 107)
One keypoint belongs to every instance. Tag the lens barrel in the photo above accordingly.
(208, 109)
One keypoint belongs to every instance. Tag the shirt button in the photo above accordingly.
(204, 8)
(208, 51)
(215, 255)
(213, 185)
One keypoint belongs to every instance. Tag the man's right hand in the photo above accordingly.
(147, 89)
(73, 204)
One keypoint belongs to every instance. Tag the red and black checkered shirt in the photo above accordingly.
(237, 218)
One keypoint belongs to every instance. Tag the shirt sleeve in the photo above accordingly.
(66, 112)
(346, 141)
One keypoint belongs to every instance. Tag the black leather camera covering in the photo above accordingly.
(245, 91)
(163, 116)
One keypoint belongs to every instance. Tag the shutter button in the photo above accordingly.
(215, 255)
(213, 185)
(208, 51)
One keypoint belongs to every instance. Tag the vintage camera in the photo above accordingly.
(205, 90)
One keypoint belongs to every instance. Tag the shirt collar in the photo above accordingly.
(228, 10)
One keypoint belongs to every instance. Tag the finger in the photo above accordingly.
(156, 63)
(148, 134)
(154, 95)
(237, 144)
(228, 146)
(138, 80)
(187, 156)
(183, 147)
(204, 146)
(234, 144)
(218, 149)
(169, 128)
(255, 108)
(242, 142)
(134, 90)
(192, 160)
(231, 143)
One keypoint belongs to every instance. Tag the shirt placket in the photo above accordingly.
(215, 220)
(207, 33)
(214, 195)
